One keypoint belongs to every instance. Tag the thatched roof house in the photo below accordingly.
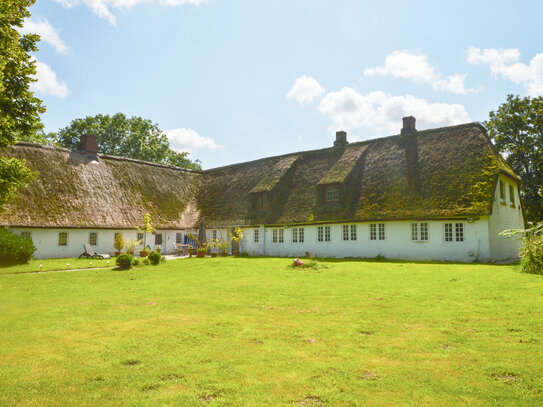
(451, 173)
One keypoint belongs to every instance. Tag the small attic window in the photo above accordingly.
(261, 200)
(331, 193)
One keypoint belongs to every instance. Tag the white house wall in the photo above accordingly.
(397, 243)
(46, 241)
(505, 215)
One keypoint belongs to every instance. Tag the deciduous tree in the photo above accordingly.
(516, 128)
(119, 135)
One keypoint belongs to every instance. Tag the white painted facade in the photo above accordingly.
(46, 240)
(480, 240)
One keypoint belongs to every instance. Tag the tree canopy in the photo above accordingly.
(19, 108)
(119, 135)
(516, 129)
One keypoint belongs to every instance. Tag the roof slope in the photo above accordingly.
(445, 172)
(73, 190)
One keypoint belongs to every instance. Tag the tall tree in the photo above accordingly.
(19, 108)
(516, 128)
(119, 135)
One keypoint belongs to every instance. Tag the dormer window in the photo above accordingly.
(331, 193)
(261, 200)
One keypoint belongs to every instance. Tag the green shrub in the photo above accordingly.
(154, 257)
(15, 248)
(125, 261)
(531, 253)
(146, 261)
(136, 261)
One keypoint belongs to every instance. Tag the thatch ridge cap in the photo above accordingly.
(105, 156)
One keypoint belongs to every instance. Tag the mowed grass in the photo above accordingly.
(33, 266)
(250, 331)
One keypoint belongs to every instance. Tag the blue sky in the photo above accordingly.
(232, 81)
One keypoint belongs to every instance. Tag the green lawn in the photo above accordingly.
(250, 331)
(57, 264)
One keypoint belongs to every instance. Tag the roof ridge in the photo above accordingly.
(105, 156)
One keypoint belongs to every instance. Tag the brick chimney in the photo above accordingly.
(408, 125)
(87, 144)
(341, 139)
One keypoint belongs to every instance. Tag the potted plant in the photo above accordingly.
(236, 237)
(191, 251)
(131, 246)
(118, 243)
(146, 228)
(214, 244)
(158, 249)
(201, 251)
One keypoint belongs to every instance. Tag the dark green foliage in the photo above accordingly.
(125, 261)
(15, 248)
(154, 257)
(19, 109)
(516, 128)
(531, 254)
(121, 136)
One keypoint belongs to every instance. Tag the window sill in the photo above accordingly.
(503, 202)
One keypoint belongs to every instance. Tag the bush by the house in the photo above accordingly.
(15, 248)
(531, 251)
(125, 261)
(154, 257)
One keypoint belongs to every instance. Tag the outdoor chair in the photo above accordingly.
(181, 249)
(90, 253)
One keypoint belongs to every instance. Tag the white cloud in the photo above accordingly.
(46, 32)
(101, 7)
(189, 140)
(504, 63)
(47, 83)
(305, 90)
(380, 114)
(415, 67)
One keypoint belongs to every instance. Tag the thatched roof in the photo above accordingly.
(446, 172)
(72, 190)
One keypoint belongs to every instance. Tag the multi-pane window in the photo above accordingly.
(419, 231)
(63, 239)
(459, 231)
(93, 238)
(139, 237)
(281, 235)
(298, 235)
(502, 191)
(295, 235)
(511, 195)
(158, 238)
(327, 234)
(332, 193)
(301, 235)
(274, 236)
(349, 232)
(373, 231)
(178, 237)
(345, 232)
(257, 236)
(26, 235)
(454, 232)
(320, 234)
(214, 234)
(381, 231)
(261, 200)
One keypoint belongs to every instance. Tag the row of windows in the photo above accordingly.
(511, 193)
(453, 232)
(93, 238)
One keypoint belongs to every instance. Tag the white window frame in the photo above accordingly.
(327, 234)
(419, 230)
(26, 234)
(257, 236)
(65, 242)
(373, 231)
(214, 234)
(331, 193)
(320, 233)
(178, 237)
(457, 232)
(95, 238)
(281, 236)
(381, 231)
(138, 236)
(354, 233)
(274, 236)
(503, 192)
(345, 233)
(295, 235)
(301, 235)
(511, 196)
